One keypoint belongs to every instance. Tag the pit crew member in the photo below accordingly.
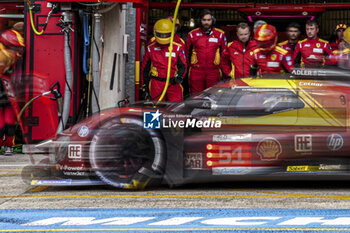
(293, 32)
(269, 58)
(312, 51)
(204, 46)
(238, 56)
(155, 65)
(11, 49)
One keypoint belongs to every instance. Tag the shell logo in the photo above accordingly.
(269, 149)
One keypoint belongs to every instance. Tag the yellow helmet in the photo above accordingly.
(162, 31)
(347, 35)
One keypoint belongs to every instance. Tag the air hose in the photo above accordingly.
(56, 92)
(86, 41)
(90, 73)
(170, 52)
(32, 20)
(29, 103)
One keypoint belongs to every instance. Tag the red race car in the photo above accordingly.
(285, 126)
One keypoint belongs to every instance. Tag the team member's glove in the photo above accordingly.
(176, 80)
(145, 92)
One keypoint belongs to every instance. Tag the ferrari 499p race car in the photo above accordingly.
(285, 126)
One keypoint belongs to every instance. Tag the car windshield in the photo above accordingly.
(244, 101)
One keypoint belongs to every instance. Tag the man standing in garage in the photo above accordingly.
(204, 46)
(269, 58)
(11, 49)
(311, 52)
(293, 32)
(341, 57)
(238, 56)
(338, 36)
(154, 66)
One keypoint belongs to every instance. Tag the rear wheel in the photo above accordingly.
(125, 155)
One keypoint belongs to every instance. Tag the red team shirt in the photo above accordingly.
(276, 61)
(205, 48)
(237, 58)
(290, 47)
(155, 61)
(311, 53)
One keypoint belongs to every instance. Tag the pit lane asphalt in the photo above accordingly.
(15, 194)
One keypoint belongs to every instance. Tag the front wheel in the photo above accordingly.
(125, 155)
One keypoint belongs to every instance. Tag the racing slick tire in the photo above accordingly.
(125, 155)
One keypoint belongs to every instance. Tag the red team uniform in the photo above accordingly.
(269, 58)
(11, 49)
(154, 70)
(290, 47)
(277, 60)
(237, 59)
(203, 52)
(335, 45)
(339, 28)
(311, 53)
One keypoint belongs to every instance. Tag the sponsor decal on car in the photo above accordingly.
(304, 168)
(321, 167)
(74, 173)
(193, 160)
(155, 120)
(314, 84)
(335, 142)
(330, 167)
(303, 143)
(230, 170)
(51, 182)
(308, 72)
(232, 138)
(75, 152)
(83, 131)
(269, 149)
(69, 168)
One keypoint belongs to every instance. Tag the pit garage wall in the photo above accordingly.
(112, 84)
(130, 62)
(329, 20)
